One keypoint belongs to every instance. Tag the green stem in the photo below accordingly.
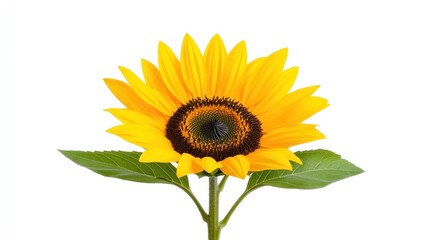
(231, 211)
(213, 217)
(222, 183)
(197, 203)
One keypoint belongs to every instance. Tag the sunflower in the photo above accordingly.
(215, 113)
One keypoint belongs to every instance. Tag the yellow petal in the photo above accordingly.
(231, 83)
(169, 67)
(290, 136)
(214, 60)
(148, 94)
(277, 92)
(303, 109)
(209, 164)
(159, 155)
(276, 116)
(271, 159)
(287, 79)
(130, 99)
(128, 116)
(237, 166)
(154, 79)
(125, 94)
(299, 95)
(193, 70)
(135, 82)
(262, 76)
(145, 136)
(188, 164)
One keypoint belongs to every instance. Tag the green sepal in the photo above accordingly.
(215, 173)
(319, 169)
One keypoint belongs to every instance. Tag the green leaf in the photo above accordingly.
(126, 166)
(319, 169)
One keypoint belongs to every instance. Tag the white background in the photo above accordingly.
(371, 59)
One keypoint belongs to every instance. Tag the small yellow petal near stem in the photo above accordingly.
(189, 164)
(237, 166)
(272, 159)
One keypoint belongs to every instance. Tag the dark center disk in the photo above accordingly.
(214, 130)
(213, 127)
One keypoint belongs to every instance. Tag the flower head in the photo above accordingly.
(214, 112)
